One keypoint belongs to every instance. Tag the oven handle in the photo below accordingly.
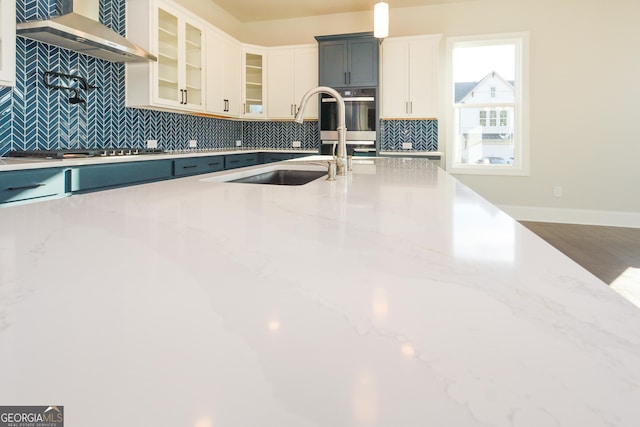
(355, 99)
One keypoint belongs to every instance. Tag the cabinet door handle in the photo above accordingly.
(213, 164)
(186, 97)
(234, 161)
(226, 105)
(345, 78)
(189, 166)
(406, 107)
(25, 187)
(410, 107)
(349, 77)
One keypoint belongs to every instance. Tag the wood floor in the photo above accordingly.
(604, 251)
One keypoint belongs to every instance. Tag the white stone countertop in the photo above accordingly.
(412, 153)
(393, 297)
(23, 163)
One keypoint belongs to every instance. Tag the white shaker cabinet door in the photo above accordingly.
(395, 79)
(224, 61)
(7, 42)
(280, 76)
(423, 72)
(306, 77)
(410, 77)
(292, 72)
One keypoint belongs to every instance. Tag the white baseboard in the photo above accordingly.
(573, 216)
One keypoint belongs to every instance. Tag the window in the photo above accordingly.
(488, 104)
(492, 118)
(503, 119)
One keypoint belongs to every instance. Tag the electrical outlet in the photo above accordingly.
(152, 143)
(193, 143)
(557, 191)
(238, 143)
(407, 146)
(296, 144)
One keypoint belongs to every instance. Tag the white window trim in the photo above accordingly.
(521, 117)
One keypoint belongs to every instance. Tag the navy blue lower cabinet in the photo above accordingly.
(278, 157)
(233, 161)
(197, 165)
(16, 186)
(97, 177)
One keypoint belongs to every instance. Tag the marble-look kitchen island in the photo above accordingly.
(395, 296)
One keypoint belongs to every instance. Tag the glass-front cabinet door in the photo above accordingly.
(168, 75)
(180, 58)
(193, 94)
(7, 42)
(254, 83)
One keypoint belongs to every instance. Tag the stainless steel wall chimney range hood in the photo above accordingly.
(78, 29)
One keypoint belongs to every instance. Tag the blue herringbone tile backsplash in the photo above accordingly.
(36, 117)
(422, 134)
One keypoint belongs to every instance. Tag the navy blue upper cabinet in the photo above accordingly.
(349, 60)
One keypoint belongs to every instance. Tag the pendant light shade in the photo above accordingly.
(381, 20)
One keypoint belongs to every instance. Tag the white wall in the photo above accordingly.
(585, 78)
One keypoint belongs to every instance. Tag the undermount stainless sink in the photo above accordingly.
(282, 177)
(281, 173)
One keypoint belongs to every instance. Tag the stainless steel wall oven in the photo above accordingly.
(361, 120)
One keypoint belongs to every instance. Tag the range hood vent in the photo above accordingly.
(78, 29)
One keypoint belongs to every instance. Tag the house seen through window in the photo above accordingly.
(487, 104)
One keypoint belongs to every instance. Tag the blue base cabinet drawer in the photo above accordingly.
(88, 178)
(31, 184)
(197, 165)
(234, 161)
(278, 157)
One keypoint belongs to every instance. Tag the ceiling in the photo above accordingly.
(261, 10)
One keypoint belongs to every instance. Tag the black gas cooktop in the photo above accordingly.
(83, 153)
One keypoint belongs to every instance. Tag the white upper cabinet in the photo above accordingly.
(224, 59)
(7, 42)
(291, 73)
(409, 87)
(254, 70)
(176, 80)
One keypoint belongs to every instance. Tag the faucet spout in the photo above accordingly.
(341, 155)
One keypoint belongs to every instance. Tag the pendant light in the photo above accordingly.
(381, 20)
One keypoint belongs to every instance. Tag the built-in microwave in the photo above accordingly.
(361, 119)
